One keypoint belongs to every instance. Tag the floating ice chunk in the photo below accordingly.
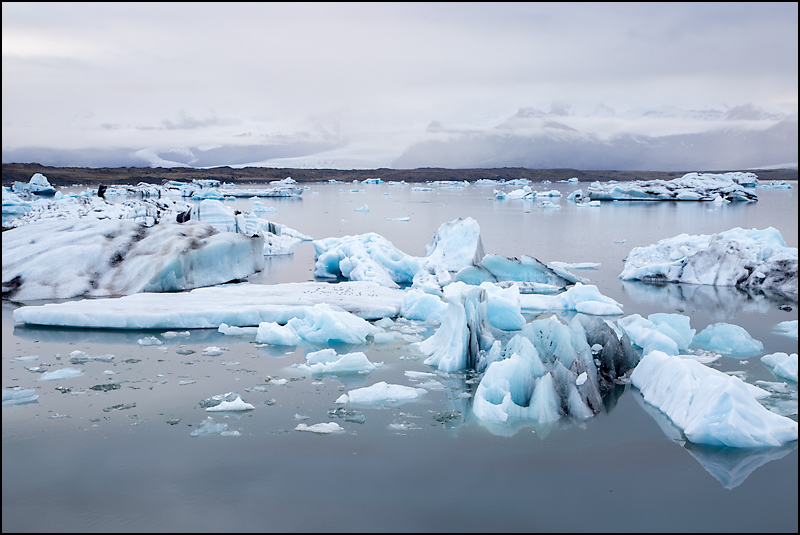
(237, 304)
(689, 187)
(63, 373)
(709, 406)
(757, 259)
(320, 429)
(38, 185)
(325, 324)
(23, 359)
(381, 393)
(327, 361)
(270, 332)
(102, 257)
(79, 357)
(19, 396)
(728, 340)
(212, 351)
(226, 329)
(669, 333)
(584, 298)
(210, 427)
(235, 405)
(788, 328)
(782, 364)
(169, 335)
(547, 205)
(367, 257)
(149, 341)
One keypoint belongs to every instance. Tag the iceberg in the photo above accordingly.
(321, 428)
(63, 373)
(752, 259)
(327, 361)
(689, 187)
(381, 393)
(710, 407)
(99, 258)
(787, 328)
(319, 324)
(238, 305)
(727, 339)
(669, 333)
(782, 364)
(235, 405)
(38, 185)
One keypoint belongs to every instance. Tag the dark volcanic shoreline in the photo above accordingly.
(67, 176)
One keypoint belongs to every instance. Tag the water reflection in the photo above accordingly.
(723, 303)
(729, 466)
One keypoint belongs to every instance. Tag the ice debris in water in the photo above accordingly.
(212, 351)
(79, 357)
(19, 396)
(353, 415)
(782, 364)
(235, 405)
(787, 328)
(149, 341)
(219, 398)
(63, 373)
(210, 427)
(327, 361)
(381, 392)
(321, 428)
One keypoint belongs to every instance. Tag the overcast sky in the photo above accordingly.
(204, 74)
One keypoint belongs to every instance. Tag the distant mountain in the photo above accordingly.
(744, 137)
(591, 138)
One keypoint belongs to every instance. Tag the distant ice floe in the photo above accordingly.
(19, 396)
(689, 187)
(752, 259)
(381, 393)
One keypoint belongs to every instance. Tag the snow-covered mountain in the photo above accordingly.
(665, 138)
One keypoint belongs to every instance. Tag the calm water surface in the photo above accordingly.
(77, 460)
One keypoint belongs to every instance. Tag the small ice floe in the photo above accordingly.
(149, 341)
(728, 340)
(405, 218)
(364, 208)
(63, 373)
(320, 429)
(381, 393)
(169, 335)
(782, 364)
(547, 205)
(327, 361)
(788, 328)
(212, 351)
(19, 396)
(210, 427)
(23, 359)
(236, 405)
(187, 382)
(79, 357)
(229, 330)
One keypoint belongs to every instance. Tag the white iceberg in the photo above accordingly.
(239, 305)
(787, 328)
(381, 393)
(689, 187)
(235, 405)
(38, 185)
(63, 373)
(782, 364)
(669, 333)
(327, 361)
(709, 406)
(753, 259)
(321, 428)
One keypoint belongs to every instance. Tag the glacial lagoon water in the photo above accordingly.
(125, 459)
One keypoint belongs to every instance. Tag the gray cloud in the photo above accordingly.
(129, 75)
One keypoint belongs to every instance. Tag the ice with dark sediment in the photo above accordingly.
(751, 259)
(689, 187)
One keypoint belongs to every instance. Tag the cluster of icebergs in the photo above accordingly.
(540, 371)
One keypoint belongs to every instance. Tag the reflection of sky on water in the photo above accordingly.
(729, 466)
